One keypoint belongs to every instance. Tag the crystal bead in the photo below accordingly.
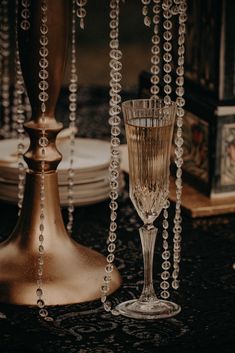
(113, 14)
(154, 90)
(41, 249)
(115, 131)
(43, 63)
(165, 294)
(167, 46)
(155, 50)
(107, 278)
(145, 11)
(43, 74)
(109, 268)
(113, 205)
(107, 306)
(112, 236)
(164, 285)
(115, 110)
(167, 25)
(114, 44)
(116, 76)
(43, 85)
(25, 25)
(175, 284)
(166, 255)
(155, 39)
(39, 292)
(113, 195)
(43, 313)
(81, 12)
(115, 141)
(154, 79)
(114, 120)
(180, 71)
(116, 99)
(40, 303)
(167, 35)
(43, 141)
(43, 97)
(44, 29)
(113, 24)
(156, 20)
(166, 265)
(105, 288)
(48, 318)
(113, 216)
(167, 57)
(155, 60)
(147, 21)
(113, 35)
(110, 258)
(165, 244)
(113, 226)
(111, 247)
(103, 299)
(180, 91)
(167, 68)
(167, 89)
(25, 13)
(165, 275)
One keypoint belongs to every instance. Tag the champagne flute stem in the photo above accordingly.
(148, 235)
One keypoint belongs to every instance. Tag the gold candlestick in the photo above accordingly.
(72, 273)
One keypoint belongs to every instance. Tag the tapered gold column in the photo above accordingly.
(72, 273)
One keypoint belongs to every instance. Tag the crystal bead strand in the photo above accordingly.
(81, 11)
(5, 86)
(145, 11)
(177, 229)
(155, 57)
(20, 117)
(43, 142)
(25, 15)
(73, 87)
(114, 121)
(167, 59)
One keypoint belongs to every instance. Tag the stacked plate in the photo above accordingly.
(91, 175)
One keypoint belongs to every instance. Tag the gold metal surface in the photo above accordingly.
(72, 273)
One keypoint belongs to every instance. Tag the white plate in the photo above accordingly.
(91, 176)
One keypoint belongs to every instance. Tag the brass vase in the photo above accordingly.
(72, 272)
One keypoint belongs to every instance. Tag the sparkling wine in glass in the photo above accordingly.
(149, 128)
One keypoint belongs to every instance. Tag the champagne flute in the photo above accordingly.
(149, 128)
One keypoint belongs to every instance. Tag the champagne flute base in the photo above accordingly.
(157, 309)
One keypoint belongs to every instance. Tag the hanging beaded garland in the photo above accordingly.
(114, 121)
(180, 102)
(5, 70)
(19, 111)
(43, 142)
(73, 88)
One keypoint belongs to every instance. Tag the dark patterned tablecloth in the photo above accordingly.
(207, 293)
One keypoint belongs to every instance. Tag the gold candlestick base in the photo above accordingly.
(72, 273)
